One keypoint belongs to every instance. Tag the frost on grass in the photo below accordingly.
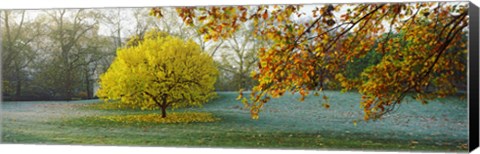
(185, 117)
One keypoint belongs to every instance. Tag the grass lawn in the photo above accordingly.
(441, 125)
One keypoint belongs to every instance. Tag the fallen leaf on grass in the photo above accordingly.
(463, 146)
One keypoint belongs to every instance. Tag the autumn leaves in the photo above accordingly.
(421, 48)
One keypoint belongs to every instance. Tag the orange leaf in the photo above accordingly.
(201, 18)
(219, 28)
(265, 15)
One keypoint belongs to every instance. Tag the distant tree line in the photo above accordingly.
(59, 54)
(53, 55)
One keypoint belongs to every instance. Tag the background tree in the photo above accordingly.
(97, 49)
(67, 30)
(172, 24)
(158, 73)
(306, 55)
(71, 52)
(18, 50)
(114, 21)
(238, 60)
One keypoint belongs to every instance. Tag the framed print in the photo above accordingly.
(376, 76)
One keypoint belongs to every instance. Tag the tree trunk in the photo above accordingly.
(89, 90)
(18, 86)
(87, 84)
(18, 92)
(68, 92)
(68, 85)
(160, 103)
(164, 112)
(164, 106)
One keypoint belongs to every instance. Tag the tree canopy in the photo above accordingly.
(412, 39)
(159, 72)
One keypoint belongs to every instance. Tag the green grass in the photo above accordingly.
(441, 125)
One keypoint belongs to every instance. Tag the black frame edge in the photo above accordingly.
(473, 77)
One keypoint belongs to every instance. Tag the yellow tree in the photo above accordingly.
(160, 73)
(415, 41)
